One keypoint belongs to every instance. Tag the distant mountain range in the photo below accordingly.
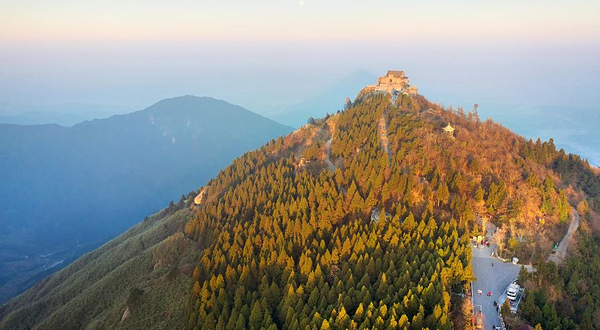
(574, 129)
(66, 189)
(44, 117)
(64, 114)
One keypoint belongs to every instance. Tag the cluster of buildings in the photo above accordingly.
(394, 82)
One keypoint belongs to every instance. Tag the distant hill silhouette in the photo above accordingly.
(65, 189)
(42, 117)
(64, 114)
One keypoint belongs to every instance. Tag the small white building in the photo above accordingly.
(449, 129)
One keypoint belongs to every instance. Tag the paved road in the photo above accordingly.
(490, 278)
(561, 251)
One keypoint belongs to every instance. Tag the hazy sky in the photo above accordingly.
(308, 20)
(270, 54)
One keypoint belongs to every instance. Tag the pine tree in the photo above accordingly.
(442, 194)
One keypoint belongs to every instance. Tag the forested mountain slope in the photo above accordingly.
(137, 280)
(362, 220)
(294, 245)
(66, 189)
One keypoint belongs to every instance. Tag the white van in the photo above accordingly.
(512, 291)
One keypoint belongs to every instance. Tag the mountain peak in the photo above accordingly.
(375, 204)
(135, 163)
(189, 102)
(394, 82)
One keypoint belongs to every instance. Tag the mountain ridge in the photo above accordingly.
(360, 219)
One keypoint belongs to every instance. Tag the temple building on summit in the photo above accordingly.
(394, 83)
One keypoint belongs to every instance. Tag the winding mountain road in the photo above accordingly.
(561, 251)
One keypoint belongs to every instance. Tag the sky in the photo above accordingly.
(307, 20)
(270, 55)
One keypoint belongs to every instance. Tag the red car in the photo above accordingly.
(489, 293)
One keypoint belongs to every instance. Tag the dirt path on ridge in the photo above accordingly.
(385, 142)
(331, 166)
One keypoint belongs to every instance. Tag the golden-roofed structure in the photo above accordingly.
(449, 129)
(394, 82)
